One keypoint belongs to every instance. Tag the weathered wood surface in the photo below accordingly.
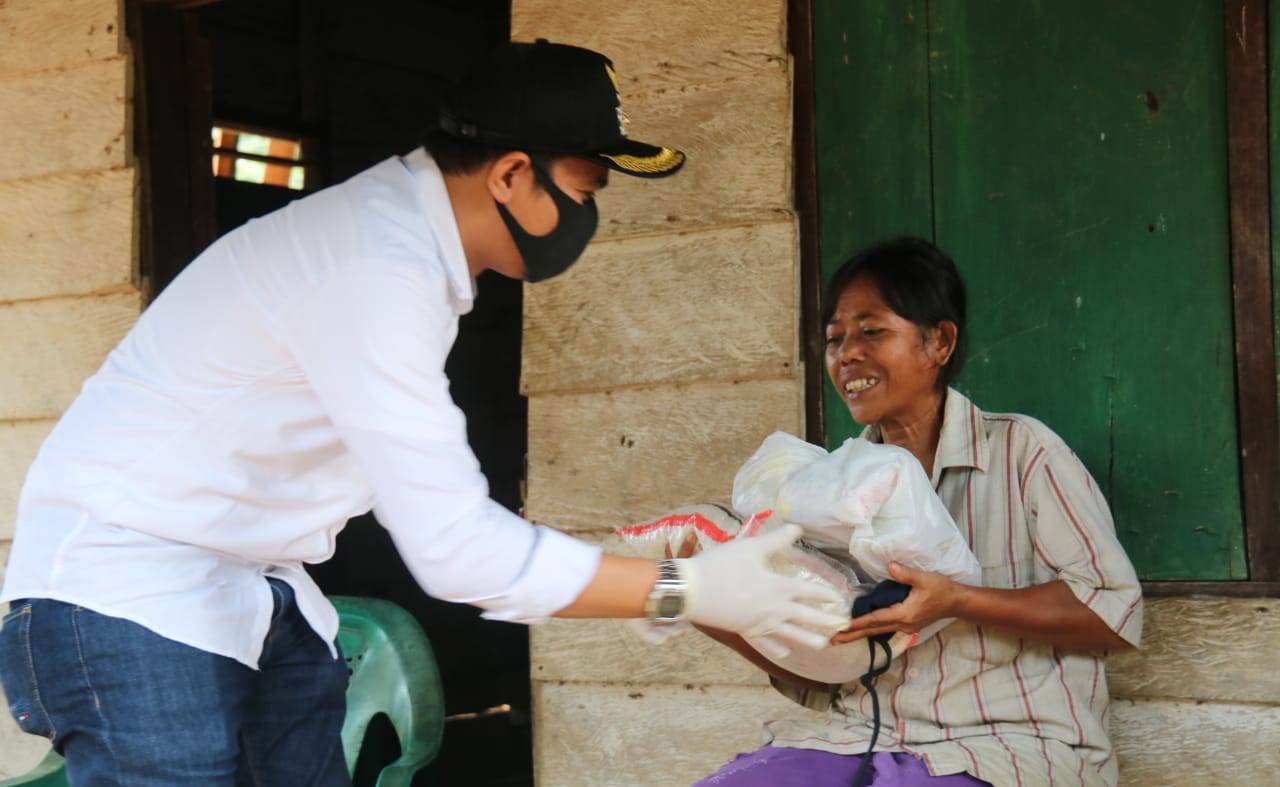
(629, 736)
(1187, 744)
(1222, 650)
(39, 34)
(600, 734)
(737, 135)
(66, 234)
(659, 45)
(1204, 649)
(598, 461)
(19, 442)
(51, 346)
(609, 651)
(719, 304)
(65, 119)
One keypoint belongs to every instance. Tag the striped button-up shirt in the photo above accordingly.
(1007, 710)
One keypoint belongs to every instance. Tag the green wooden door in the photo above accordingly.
(1071, 158)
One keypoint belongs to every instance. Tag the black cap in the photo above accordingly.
(552, 98)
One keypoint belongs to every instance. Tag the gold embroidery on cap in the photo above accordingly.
(663, 161)
(613, 77)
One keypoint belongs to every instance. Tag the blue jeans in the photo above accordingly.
(129, 708)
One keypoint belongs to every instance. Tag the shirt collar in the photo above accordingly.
(444, 225)
(962, 443)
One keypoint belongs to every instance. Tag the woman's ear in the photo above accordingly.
(942, 342)
(504, 174)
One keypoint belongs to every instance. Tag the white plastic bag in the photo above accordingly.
(873, 499)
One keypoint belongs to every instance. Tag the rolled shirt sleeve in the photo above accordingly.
(373, 348)
(1073, 535)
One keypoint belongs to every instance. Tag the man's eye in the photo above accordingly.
(834, 339)
(872, 331)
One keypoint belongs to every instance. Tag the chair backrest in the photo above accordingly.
(393, 671)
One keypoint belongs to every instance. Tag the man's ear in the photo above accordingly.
(504, 174)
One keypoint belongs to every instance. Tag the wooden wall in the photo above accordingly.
(67, 189)
(661, 360)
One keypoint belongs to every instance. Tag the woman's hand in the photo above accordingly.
(933, 597)
(688, 548)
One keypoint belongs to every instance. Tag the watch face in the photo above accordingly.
(670, 605)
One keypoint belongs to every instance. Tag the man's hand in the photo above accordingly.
(933, 597)
(732, 588)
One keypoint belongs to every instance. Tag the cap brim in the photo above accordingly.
(641, 160)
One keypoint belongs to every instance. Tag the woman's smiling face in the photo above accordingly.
(881, 363)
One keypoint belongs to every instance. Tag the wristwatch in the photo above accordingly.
(665, 603)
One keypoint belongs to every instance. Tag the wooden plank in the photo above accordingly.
(1075, 260)
(19, 442)
(665, 45)
(1203, 649)
(737, 135)
(804, 141)
(1229, 589)
(598, 461)
(64, 119)
(871, 104)
(609, 651)
(19, 752)
(66, 234)
(1251, 286)
(1186, 744)
(37, 34)
(1193, 649)
(630, 736)
(705, 305)
(600, 734)
(51, 347)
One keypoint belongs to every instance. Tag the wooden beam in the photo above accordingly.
(1225, 589)
(805, 146)
(1250, 211)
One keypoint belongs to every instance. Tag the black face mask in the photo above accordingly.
(550, 255)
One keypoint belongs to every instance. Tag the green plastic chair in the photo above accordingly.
(393, 671)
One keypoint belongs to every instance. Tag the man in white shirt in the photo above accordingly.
(162, 629)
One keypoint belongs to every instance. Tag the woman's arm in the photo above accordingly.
(1048, 613)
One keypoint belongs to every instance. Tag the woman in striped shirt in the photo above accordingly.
(1013, 693)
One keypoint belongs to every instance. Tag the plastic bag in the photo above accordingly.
(873, 499)
(714, 525)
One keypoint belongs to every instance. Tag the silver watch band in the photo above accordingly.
(665, 603)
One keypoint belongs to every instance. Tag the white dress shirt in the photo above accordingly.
(290, 378)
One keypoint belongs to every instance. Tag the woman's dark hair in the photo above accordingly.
(917, 280)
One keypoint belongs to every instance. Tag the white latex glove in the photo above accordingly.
(732, 588)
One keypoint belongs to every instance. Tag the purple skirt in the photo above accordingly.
(783, 767)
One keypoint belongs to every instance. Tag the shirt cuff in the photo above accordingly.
(1120, 608)
(557, 570)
